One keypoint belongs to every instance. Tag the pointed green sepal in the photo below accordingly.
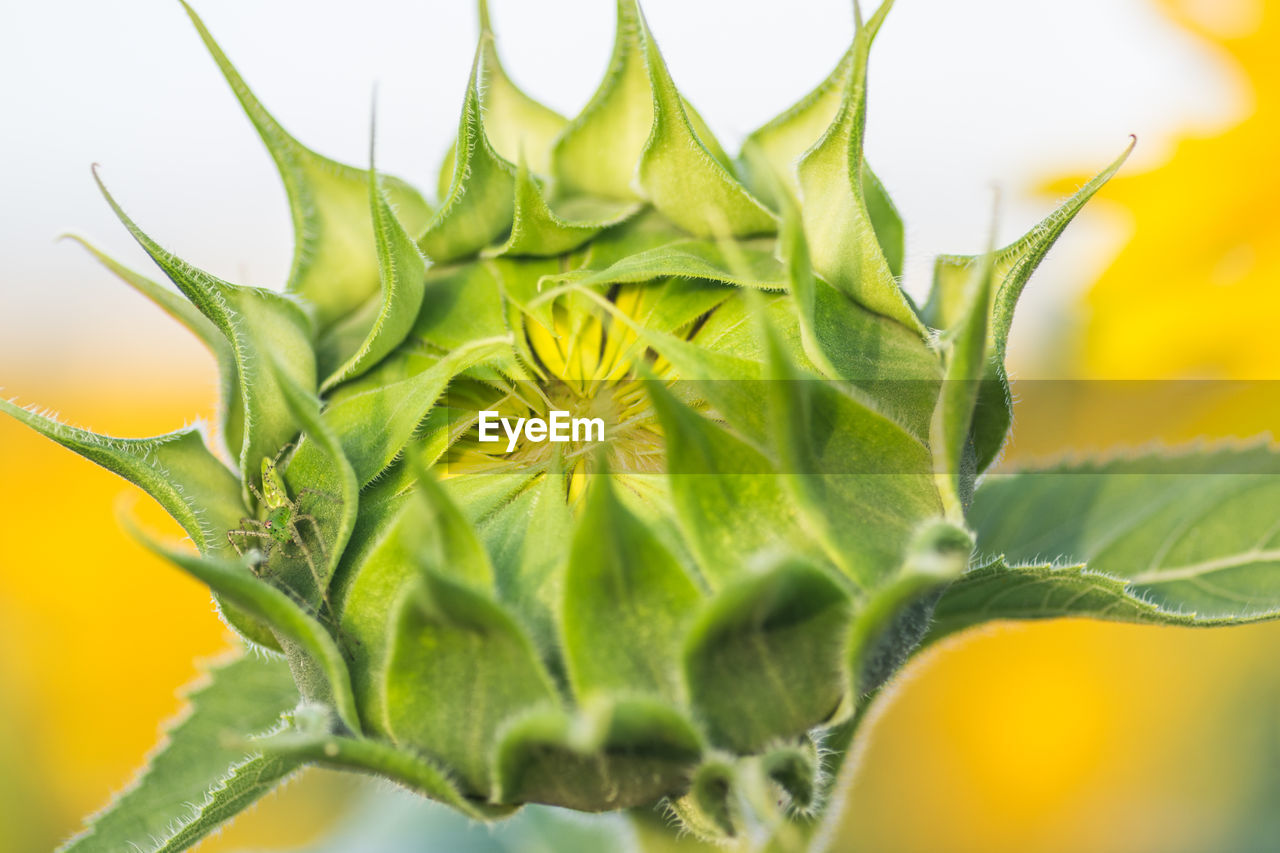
(597, 153)
(478, 208)
(181, 474)
(375, 426)
(402, 275)
(538, 230)
(459, 669)
(530, 543)
(680, 175)
(968, 359)
(420, 531)
(837, 218)
(889, 363)
(176, 469)
(450, 546)
(627, 602)
(335, 265)
(269, 333)
(770, 154)
(1013, 266)
(725, 491)
(515, 123)
(230, 403)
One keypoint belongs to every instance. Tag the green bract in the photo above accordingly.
(692, 613)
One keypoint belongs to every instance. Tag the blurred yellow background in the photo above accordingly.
(1064, 736)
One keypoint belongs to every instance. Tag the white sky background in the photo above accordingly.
(964, 95)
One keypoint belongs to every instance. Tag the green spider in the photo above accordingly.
(281, 527)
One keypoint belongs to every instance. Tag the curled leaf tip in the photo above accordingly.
(873, 24)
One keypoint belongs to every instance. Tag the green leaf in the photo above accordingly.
(837, 218)
(774, 633)
(1013, 266)
(243, 786)
(230, 403)
(176, 469)
(269, 333)
(335, 265)
(380, 759)
(185, 790)
(1185, 539)
(612, 755)
(286, 617)
(680, 176)
(999, 592)
(538, 230)
(627, 602)
(478, 207)
(460, 668)
(402, 272)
